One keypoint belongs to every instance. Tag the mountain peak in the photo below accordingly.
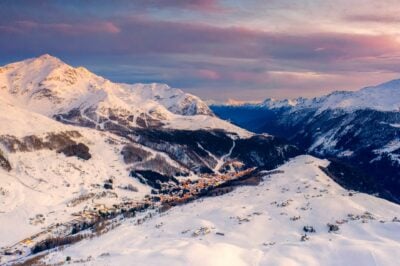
(389, 85)
(48, 86)
(383, 97)
(46, 59)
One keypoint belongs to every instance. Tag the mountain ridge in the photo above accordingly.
(382, 97)
(48, 86)
(359, 129)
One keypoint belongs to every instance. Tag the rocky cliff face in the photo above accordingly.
(4, 163)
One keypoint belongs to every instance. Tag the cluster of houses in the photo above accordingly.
(189, 189)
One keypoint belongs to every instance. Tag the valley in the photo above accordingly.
(355, 129)
(88, 166)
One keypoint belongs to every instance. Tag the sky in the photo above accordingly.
(245, 50)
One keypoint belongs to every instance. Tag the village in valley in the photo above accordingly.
(98, 218)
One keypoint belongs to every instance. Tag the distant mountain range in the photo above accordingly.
(360, 129)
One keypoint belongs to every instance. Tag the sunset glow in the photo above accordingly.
(245, 50)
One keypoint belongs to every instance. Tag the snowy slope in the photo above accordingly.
(48, 86)
(260, 225)
(383, 97)
(44, 182)
(20, 122)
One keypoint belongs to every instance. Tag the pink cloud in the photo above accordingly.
(202, 5)
(199, 55)
(26, 24)
(68, 28)
(9, 29)
(142, 35)
(230, 57)
(208, 74)
(376, 18)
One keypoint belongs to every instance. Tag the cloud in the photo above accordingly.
(208, 74)
(374, 18)
(143, 35)
(158, 41)
(51, 10)
(67, 29)
(202, 5)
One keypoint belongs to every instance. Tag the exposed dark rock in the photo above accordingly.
(4, 163)
(265, 152)
(51, 141)
(74, 117)
(308, 229)
(215, 141)
(161, 165)
(147, 121)
(133, 154)
(79, 150)
(130, 187)
(153, 179)
(56, 140)
(108, 186)
(332, 228)
(51, 243)
(353, 178)
(304, 238)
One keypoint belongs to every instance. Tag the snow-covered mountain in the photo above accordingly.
(383, 97)
(357, 128)
(50, 87)
(296, 216)
(78, 152)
